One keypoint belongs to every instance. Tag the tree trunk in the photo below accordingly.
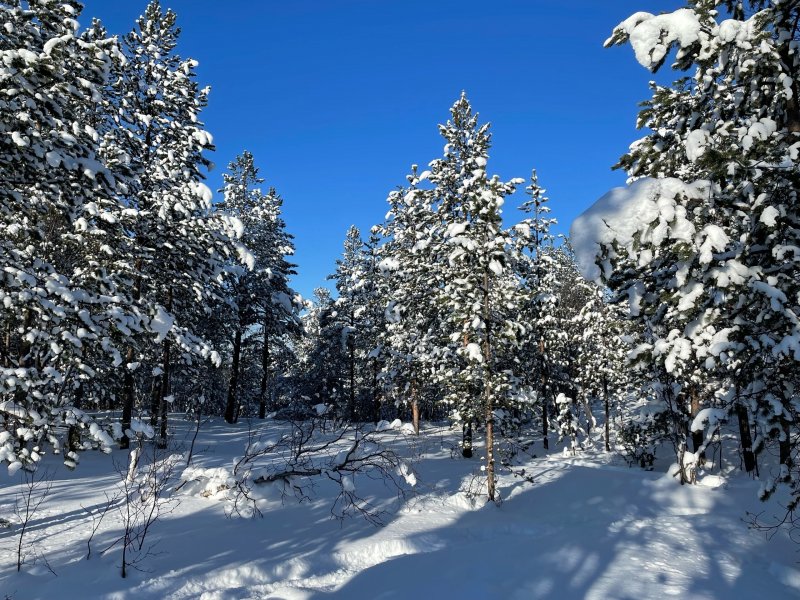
(543, 388)
(488, 397)
(127, 400)
(745, 438)
(23, 361)
(785, 448)
(233, 384)
(698, 437)
(351, 402)
(490, 484)
(7, 343)
(155, 387)
(376, 400)
(164, 389)
(607, 415)
(128, 388)
(466, 440)
(587, 408)
(73, 433)
(545, 417)
(414, 407)
(262, 397)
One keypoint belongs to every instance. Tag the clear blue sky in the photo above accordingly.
(337, 98)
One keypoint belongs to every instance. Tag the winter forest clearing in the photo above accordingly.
(480, 407)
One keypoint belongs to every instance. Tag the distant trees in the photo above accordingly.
(447, 312)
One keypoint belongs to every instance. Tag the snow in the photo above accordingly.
(496, 267)
(587, 527)
(474, 353)
(652, 35)
(715, 238)
(407, 429)
(769, 216)
(708, 416)
(204, 192)
(696, 143)
(648, 207)
(456, 229)
(388, 265)
(161, 324)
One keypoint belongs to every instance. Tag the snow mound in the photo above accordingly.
(407, 429)
(206, 483)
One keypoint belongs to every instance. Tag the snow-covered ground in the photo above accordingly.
(584, 527)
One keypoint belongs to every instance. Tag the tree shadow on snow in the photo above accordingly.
(583, 533)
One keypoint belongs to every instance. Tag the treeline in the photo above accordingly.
(444, 313)
(125, 288)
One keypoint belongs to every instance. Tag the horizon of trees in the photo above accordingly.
(127, 289)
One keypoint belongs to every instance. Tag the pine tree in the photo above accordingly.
(278, 304)
(709, 269)
(321, 359)
(600, 370)
(376, 294)
(350, 309)
(258, 292)
(62, 248)
(413, 334)
(477, 296)
(534, 245)
(181, 244)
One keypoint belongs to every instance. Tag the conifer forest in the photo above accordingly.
(472, 405)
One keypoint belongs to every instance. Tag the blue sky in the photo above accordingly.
(337, 98)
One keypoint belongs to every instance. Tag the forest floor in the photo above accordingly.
(566, 527)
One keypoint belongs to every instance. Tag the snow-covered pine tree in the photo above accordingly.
(568, 426)
(319, 376)
(707, 259)
(477, 295)
(601, 370)
(181, 243)
(350, 277)
(359, 318)
(413, 335)
(553, 349)
(64, 303)
(376, 294)
(280, 306)
(534, 245)
(259, 293)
